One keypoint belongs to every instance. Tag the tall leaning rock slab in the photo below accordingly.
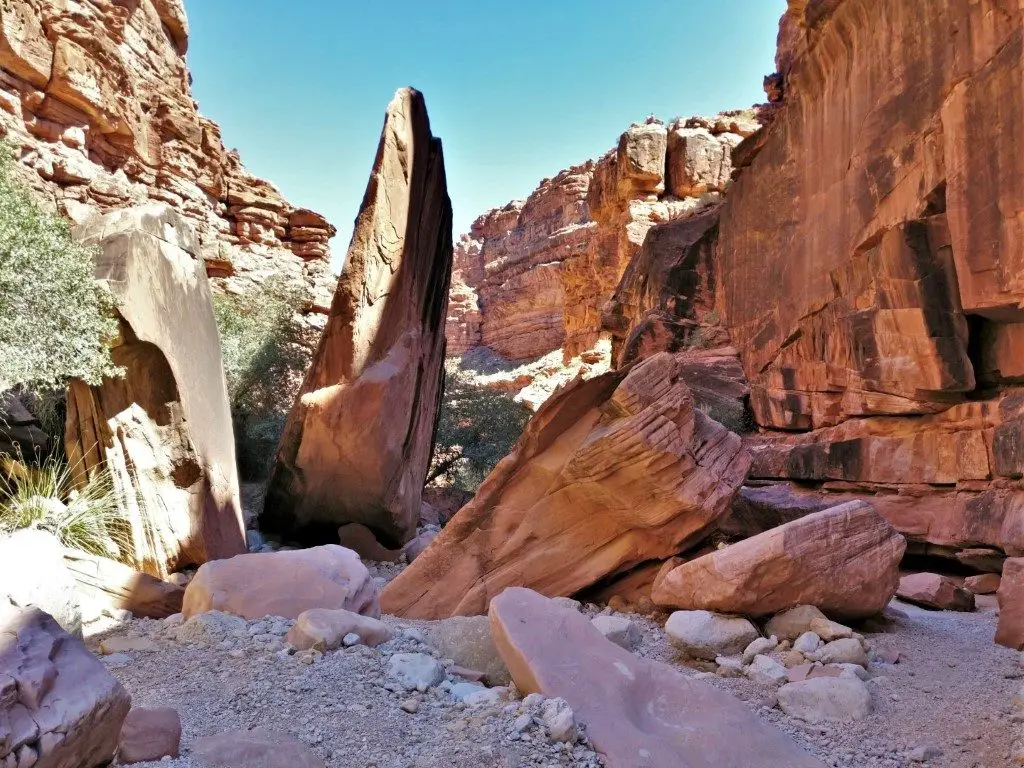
(610, 473)
(164, 429)
(359, 438)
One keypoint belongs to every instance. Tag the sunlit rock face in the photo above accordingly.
(95, 94)
(359, 438)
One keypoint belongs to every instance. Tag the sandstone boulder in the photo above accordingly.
(107, 585)
(638, 713)
(791, 624)
(325, 629)
(359, 439)
(934, 591)
(610, 472)
(285, 584)
(148, 735)
(259, 748)
(843, 560)
(33, 574)
(164, 429)
(983, 584)
(59, 706)
(1010, 631)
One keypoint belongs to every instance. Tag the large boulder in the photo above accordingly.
(164, 429)
(285, 584)
(21, 434)
(843, 560)
(638, 713)
(33, 574)
(59, 706)
(611, 472)
(358, 441)
(467, 641)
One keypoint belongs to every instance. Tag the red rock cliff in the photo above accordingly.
(95, 94)
(534, 276)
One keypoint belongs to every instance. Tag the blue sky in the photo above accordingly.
(517, 91)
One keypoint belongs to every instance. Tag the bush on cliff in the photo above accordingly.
(476, 429)
(55, 319)
(264, 360)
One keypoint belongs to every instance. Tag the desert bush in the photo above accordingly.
(264, 360)
(477, 427)
(44, 496)
(55, 319)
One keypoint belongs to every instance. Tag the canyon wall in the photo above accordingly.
(534, 277)
(95, 98)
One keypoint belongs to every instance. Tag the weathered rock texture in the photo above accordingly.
(285, 583)
(638, 713)
(893, 274)
(533, 277)
(610, 473)
(95, 94)
(843, 560)
(164, 429)
(59, 706)
(359, 439)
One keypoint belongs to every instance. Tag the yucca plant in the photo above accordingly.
(44, 496)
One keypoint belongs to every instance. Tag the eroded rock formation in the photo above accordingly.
(164, 429)
(95, 95)
(610, 473)
(59, 706)
(533, 277)
(359, 438)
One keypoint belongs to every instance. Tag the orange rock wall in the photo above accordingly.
(95, 96)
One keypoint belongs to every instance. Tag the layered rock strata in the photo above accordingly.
(358, 441)
(95, 96)
(163, 430)
(610, 473)
(533, 277)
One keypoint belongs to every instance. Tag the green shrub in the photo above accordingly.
(264, 360)
(477, 427)
(55, 319)
(45, 497)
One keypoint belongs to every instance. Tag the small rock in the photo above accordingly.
(729, 666)
(620, 630)
(149, 734)
(759, 646)
(351, 639)
(844, 651)
(789, 625)
(412, 706)
(559, 721)
(706, 635)
(924, 754)
(985, 584)
(807, 643)
(415, 671)
(764, 670)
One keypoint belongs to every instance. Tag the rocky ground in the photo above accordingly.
(946, 703)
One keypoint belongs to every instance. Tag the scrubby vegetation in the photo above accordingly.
(44, 496)
(477, 427)
(264, 359)
(55, 319)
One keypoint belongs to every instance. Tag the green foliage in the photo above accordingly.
(55, 319)
(264, 360)
(45, 497)
(476, 429)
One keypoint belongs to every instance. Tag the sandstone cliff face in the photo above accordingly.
(533, 277)
(359, 438)
(866, 264)
(95, 96)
